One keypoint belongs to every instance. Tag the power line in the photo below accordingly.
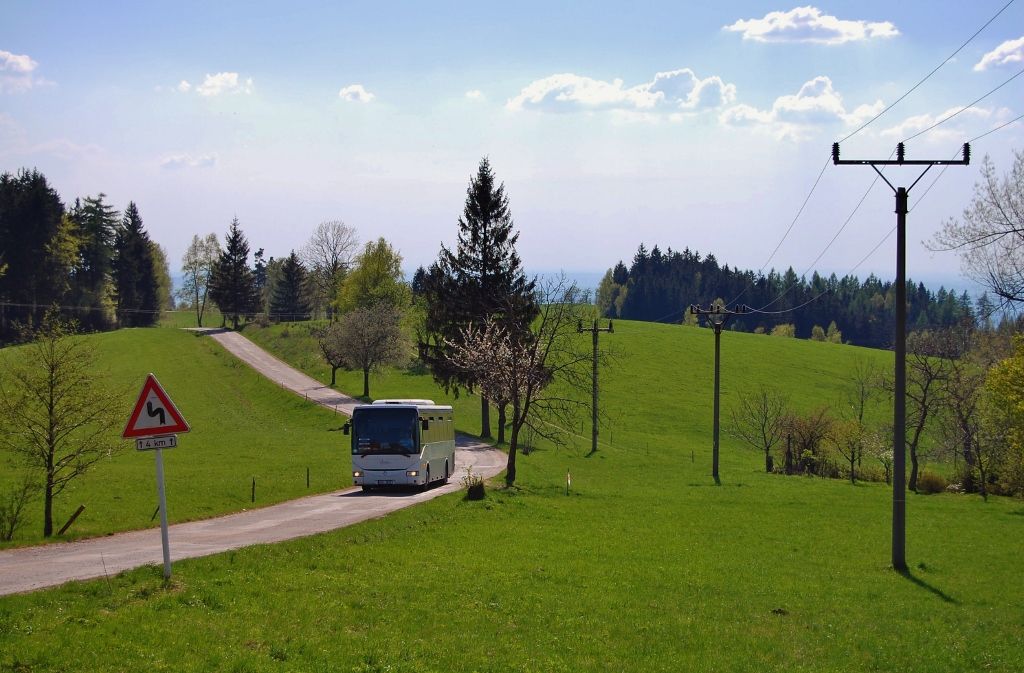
(864, 126)
(928, 76)
(966, 107)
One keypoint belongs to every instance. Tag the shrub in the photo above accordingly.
(929, 483)
(786, 330)
(474, 484)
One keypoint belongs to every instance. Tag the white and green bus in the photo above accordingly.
(401, 442)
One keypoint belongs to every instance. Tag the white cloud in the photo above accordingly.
(19, 63)
(222, 82)
(673, 91)
(176, 161)
(1011, 51)
(475, 94)
(808, 24)
(16, 73)
(793, 115)
(184, 86)
(355, 93)
(951, 132)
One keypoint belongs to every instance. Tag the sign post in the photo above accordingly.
(154, 431)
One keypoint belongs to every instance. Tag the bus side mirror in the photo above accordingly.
(346, 428)
(425, 423)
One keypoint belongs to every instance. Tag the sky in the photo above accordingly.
(682, 124)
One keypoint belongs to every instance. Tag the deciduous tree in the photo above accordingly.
(759, 419)
(367, 339)
(196, 269)
(328, 256)
(516, 367)
(55, 411)
(990, 233)
(377, 279)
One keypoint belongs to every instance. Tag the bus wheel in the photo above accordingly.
(367, 488)
(426, 482)
(445, 472)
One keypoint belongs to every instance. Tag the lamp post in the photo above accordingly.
(717, 315)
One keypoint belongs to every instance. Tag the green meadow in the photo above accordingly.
(644, 565)
(243, 427)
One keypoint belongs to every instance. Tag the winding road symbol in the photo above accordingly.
(161, 417)
(158, 411)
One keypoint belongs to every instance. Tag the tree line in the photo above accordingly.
(89, 259)
(657, 287)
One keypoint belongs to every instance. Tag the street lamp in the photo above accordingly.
(717, 315)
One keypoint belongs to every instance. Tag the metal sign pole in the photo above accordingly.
(163, 512)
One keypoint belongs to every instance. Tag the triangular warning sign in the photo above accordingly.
(154, 413)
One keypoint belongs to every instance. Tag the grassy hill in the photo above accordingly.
(242, 427)
(645, 566)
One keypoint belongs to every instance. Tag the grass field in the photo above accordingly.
(242, 427)
(645, 566)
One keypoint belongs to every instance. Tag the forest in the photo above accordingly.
(660, 286)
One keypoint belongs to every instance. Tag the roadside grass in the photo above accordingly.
(180, 318)
(651, 569)
(243, 427)
(646, 565)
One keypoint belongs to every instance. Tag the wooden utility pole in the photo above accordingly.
(899, 425)
(717, 315)
(595, 330)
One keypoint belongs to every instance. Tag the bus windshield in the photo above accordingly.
(385, 430)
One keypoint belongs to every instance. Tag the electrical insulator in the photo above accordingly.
(899, 152)
(967, 153)
(835, 153)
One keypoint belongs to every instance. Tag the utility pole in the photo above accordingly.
(899, 463)
(595, 330)
(717, 315)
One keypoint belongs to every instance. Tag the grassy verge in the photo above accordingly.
(640, 569)
(243, 427)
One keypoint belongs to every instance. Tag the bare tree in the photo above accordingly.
(990, 235)
(332, 347)
(328, 255)
(12, 506)
(55, 411)
(367, 339)
(877, 442)
(929, 363)
(196, 267)
(759, 419)
(805, 437)
(516, 366)
(847, 437)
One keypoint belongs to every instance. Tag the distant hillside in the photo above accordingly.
(659, 286)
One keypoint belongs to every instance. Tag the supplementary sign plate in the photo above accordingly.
(151, 443)
(154, 413)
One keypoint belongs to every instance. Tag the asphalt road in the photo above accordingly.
(32, 568)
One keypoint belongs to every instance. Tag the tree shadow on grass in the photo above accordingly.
(928, 587)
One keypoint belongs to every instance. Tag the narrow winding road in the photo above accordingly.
(32, 568)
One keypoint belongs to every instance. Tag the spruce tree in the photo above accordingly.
(97, 225)
(135, 283)
(232, 283)
(290, 300)
(31, 218)
(483, 278)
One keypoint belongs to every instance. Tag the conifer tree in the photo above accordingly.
(97, 225)
(482, 279)
(290, 300)
(232, 283)
(135, 283)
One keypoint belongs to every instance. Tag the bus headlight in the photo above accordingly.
(412, 473)
(357, 473)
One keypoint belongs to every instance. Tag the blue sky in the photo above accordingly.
(698, 125)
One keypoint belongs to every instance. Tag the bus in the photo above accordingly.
(401, 442)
